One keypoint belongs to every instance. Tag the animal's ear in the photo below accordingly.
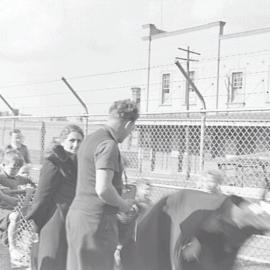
(265, 215)
(256, 215)
(265, 206)
(263, 222)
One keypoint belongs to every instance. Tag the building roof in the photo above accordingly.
(246, 33)
(161, 33)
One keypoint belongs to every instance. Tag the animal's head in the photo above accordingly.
(239, 214)
(255, 214)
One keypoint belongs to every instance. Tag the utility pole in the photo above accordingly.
(188, 60)
(148, 72)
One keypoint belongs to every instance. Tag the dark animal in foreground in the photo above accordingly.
(194, 230)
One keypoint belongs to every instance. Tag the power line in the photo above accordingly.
(32, 83)
(29, 83)
(106, 73)
(120, 87)
(39, 95)
(150, 100)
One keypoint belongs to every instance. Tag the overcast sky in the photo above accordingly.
(43, 40)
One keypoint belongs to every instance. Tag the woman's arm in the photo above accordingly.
(43, 200)
(7, 201)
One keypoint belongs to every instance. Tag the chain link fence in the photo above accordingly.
(171, 150)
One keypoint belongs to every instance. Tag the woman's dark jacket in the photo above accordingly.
(55, 192)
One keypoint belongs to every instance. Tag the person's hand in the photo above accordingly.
(117, 256)
(191, 251)
(13, 217)
(127, 204)
(35, 228)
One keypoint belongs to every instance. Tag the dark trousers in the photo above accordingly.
(92, 241)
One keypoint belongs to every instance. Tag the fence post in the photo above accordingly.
(202, 137)
(42, 141)
(140, 159)
(187, 152)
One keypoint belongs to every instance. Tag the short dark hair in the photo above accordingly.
(124, 109)
(68, 129)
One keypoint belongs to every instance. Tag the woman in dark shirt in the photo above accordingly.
(55, 192)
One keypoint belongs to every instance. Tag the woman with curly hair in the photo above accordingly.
(55, 192)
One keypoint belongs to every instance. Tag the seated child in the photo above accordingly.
(7, 222)
(10, 166)
(10, 189)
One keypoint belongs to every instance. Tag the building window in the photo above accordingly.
(236, 86)
(165, 98)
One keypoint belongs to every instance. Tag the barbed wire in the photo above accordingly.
(29, 83)
(120, 87)
(150, 100)
(127, 70)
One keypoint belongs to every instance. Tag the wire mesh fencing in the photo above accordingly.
(176, 148)
(172, 150)
(19, 235)
(23, 234)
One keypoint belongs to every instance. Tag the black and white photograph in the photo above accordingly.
(135, 135)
